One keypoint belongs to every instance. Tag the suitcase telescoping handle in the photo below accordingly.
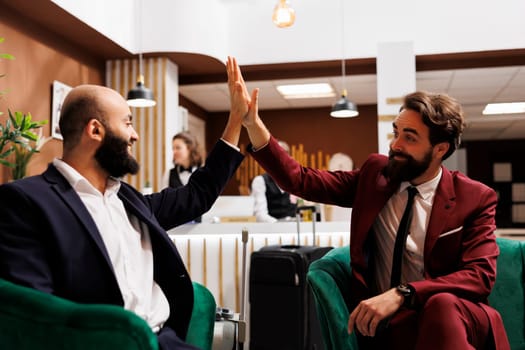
(298, 218)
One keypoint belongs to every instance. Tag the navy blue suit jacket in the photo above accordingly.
(49, 241)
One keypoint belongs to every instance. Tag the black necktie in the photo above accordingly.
(401, 238)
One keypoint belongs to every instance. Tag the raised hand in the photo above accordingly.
(245, 108)
(239, 96)
(239, 102)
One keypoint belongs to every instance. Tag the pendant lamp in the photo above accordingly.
(344, 108)
(140, 95)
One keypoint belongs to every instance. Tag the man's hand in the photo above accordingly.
(245, 108)
(242, 104)
(367, 315)
(239, 102)
(239, 96)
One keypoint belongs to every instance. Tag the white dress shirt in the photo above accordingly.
(128, 245)
(260, 206)
(385, 230)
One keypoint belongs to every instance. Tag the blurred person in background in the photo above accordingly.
(186, 159)
(271, 203)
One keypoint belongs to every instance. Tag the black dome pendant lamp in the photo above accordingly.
(344, 108)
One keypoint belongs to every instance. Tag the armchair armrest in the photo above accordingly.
(202, 322)
(328, 278)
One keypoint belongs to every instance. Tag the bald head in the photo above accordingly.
(83, 103)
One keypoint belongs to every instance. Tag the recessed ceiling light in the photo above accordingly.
(306, 90)
(504, 108)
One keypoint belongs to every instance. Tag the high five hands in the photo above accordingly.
(242, 104)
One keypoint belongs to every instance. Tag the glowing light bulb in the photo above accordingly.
(283, 15)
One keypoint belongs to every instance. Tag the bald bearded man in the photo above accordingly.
(92, 238)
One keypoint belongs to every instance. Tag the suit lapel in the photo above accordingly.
(442, 209)
(373, 203)
(162, 245)
(135, 207)
(64, 190)
(143, 213)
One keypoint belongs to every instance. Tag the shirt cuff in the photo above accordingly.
(260, 148)
(231, 145)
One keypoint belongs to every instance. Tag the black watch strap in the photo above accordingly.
(407, 291)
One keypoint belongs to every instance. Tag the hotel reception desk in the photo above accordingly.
(213, 252)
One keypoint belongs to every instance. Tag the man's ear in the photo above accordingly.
(95, 129)
(441, 149)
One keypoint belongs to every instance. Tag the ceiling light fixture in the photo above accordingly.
(283, 15)
(140, 95)
(320, 90)
(504, 108)
(344, 108)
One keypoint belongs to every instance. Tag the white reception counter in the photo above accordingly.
(213, 252)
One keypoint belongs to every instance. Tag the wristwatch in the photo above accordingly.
(407, 291)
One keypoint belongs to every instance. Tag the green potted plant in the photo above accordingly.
(17, 137)
(18, 140)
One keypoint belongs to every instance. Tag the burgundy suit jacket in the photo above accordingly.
(460, 247)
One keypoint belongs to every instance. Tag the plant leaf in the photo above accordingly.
(23, 123)
(7, 56)
(6, 153)
(13, 120)
(29, 135)
(6, 163)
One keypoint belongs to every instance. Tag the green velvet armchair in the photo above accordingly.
(329, 277)
(30, 319)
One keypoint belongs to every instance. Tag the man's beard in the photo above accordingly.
(398, 170)
(113, 156)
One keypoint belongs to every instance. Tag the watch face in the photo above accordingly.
(404, 290)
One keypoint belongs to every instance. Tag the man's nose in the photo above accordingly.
(395, 144)
(134, 135)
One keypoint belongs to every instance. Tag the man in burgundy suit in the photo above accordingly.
(448, 262)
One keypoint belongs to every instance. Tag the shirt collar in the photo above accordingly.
(426, 189)
(80, 183)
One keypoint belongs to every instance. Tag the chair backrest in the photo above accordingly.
(30, 319)
(508, 296)
(332, 273)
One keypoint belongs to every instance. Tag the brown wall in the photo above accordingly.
(40, 58)
(314, 128)
(481, 156)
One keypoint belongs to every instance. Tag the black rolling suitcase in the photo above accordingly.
(282, 309)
